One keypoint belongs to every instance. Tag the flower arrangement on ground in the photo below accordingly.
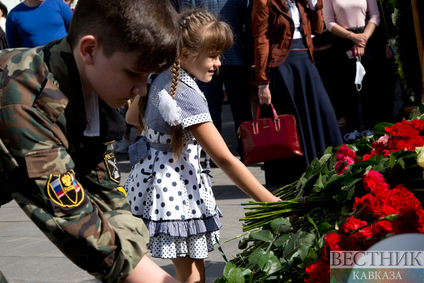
(345, 201)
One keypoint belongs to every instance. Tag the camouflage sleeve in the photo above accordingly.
(2, 278)
(108, 243)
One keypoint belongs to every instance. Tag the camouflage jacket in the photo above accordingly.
(42, 121)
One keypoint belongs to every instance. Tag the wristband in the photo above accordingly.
(348, 36)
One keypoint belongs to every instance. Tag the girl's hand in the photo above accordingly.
(264, 94)
(359, 39)
(276, 199)
(358, 51)
(214, 145)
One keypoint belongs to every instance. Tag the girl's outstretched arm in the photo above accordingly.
(212, 142)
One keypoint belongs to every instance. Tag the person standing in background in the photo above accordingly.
(354, 26)
(233, 73)
(34, 23)
(287, 77)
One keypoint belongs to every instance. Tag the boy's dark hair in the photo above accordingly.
(148, 27)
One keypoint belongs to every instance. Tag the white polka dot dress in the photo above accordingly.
(173, 196)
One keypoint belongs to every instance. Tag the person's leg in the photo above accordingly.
(378, 85)
(237, 88)
(148, 271)
(344, 78)
(190, 270)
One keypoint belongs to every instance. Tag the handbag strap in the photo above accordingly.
(274, 113)
(275, 118)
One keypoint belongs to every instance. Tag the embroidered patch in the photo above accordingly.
(64, 190)
(112, 166)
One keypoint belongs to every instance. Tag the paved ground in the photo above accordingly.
(27, 256)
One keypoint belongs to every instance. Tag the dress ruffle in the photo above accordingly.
(197, 246)
(185, 228)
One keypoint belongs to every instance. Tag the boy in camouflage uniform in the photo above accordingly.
(58, 120)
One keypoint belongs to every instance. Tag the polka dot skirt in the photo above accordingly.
(174, 194)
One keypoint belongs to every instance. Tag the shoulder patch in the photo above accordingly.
(65, 191)
(112, 166)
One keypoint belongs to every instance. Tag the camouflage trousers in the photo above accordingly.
(102, 236)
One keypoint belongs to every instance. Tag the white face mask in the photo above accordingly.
(360, 73)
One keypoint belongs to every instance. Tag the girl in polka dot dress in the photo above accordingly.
(167, 186)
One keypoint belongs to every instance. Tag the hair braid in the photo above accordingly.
(201, 31)
(176, 131)
(175, 77)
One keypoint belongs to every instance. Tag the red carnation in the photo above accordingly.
(344, 151)
(406, 143)
(333, 242)
(369, 205)
(381, 144)
(318, 272)
(407, 222)
(355, 241)
(368, 156)
(349, 161)
(402, 129)
(344, 154)
(353, 223)
(418, 124)
(385, 209)
(403, 199)
(376, 183)
(381, 229)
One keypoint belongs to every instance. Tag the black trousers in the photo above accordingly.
(374, 102)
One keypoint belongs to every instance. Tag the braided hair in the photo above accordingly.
(176, 131)
(201, 31)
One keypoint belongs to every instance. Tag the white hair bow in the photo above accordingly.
(168, 108)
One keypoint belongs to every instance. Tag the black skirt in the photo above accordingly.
(297, 89)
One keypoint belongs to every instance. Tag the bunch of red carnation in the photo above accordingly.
(344, 157)
(404, 135)
(380, 212)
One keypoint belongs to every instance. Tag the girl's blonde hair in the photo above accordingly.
(201, 32)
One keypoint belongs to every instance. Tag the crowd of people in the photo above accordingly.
(60, 123)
